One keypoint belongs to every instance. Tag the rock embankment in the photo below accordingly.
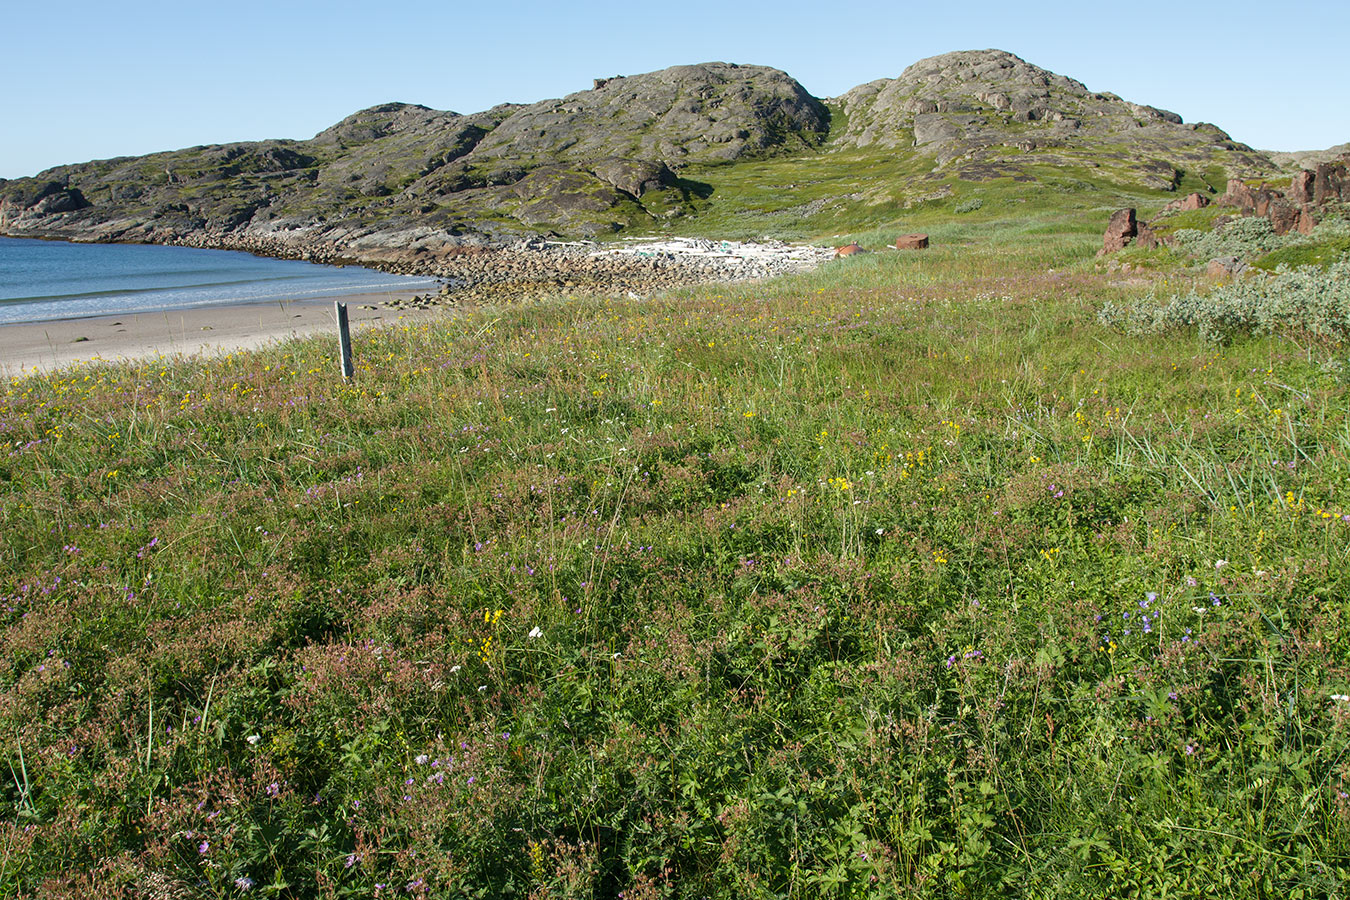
(539, 269)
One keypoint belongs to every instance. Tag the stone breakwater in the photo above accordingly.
(535, 269)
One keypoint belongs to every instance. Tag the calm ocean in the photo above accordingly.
(42, 280)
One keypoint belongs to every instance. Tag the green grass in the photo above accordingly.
(1313, 253)
(901, 578)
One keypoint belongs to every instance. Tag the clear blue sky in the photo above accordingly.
(91, 79)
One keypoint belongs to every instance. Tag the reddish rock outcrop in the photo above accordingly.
(912, 242)
(1119, 231)
(1296, 208)
(1301, 188)
(1283, 215)
(1193, 200)
(1330, 183)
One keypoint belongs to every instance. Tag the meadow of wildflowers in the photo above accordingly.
(904, 578)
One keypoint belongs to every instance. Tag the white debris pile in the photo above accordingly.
(737, 259)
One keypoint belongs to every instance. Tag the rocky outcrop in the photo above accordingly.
(1193, 200)
(1120, 231)
(1330, 183)
(1296, 208)
(912, 242)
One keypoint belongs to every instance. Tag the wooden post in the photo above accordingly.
(344, 340)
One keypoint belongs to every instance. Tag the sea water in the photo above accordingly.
(44, 280)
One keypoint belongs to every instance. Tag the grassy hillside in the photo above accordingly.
(710, 149)
(904, 578)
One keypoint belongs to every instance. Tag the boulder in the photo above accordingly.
(61, 201)
(912, 242)
(634, 177)
(1145, 237)
(1225, 267)
(1119, 231)
(848, 250)
(1193, 200)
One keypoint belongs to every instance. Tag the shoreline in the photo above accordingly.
(520, 273)
(29, 348)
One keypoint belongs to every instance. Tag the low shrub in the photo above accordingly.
(1307, 299)
(1244, 238)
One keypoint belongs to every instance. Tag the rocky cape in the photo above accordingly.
(419, 190)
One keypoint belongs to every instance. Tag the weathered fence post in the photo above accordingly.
(344, 340)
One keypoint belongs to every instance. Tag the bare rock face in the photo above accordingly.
(61, 201)
(634, 177)
(912, 242)
(1119, 231)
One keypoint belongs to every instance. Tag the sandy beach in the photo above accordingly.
(27, 348)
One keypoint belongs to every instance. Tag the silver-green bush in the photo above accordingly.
(1244, 238)
(1307, 299)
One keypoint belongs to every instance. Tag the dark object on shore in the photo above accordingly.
(848, 250)
(912, 242)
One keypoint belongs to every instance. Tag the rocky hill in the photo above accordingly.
(986, 113)
(1308, 159)
(406, 183)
